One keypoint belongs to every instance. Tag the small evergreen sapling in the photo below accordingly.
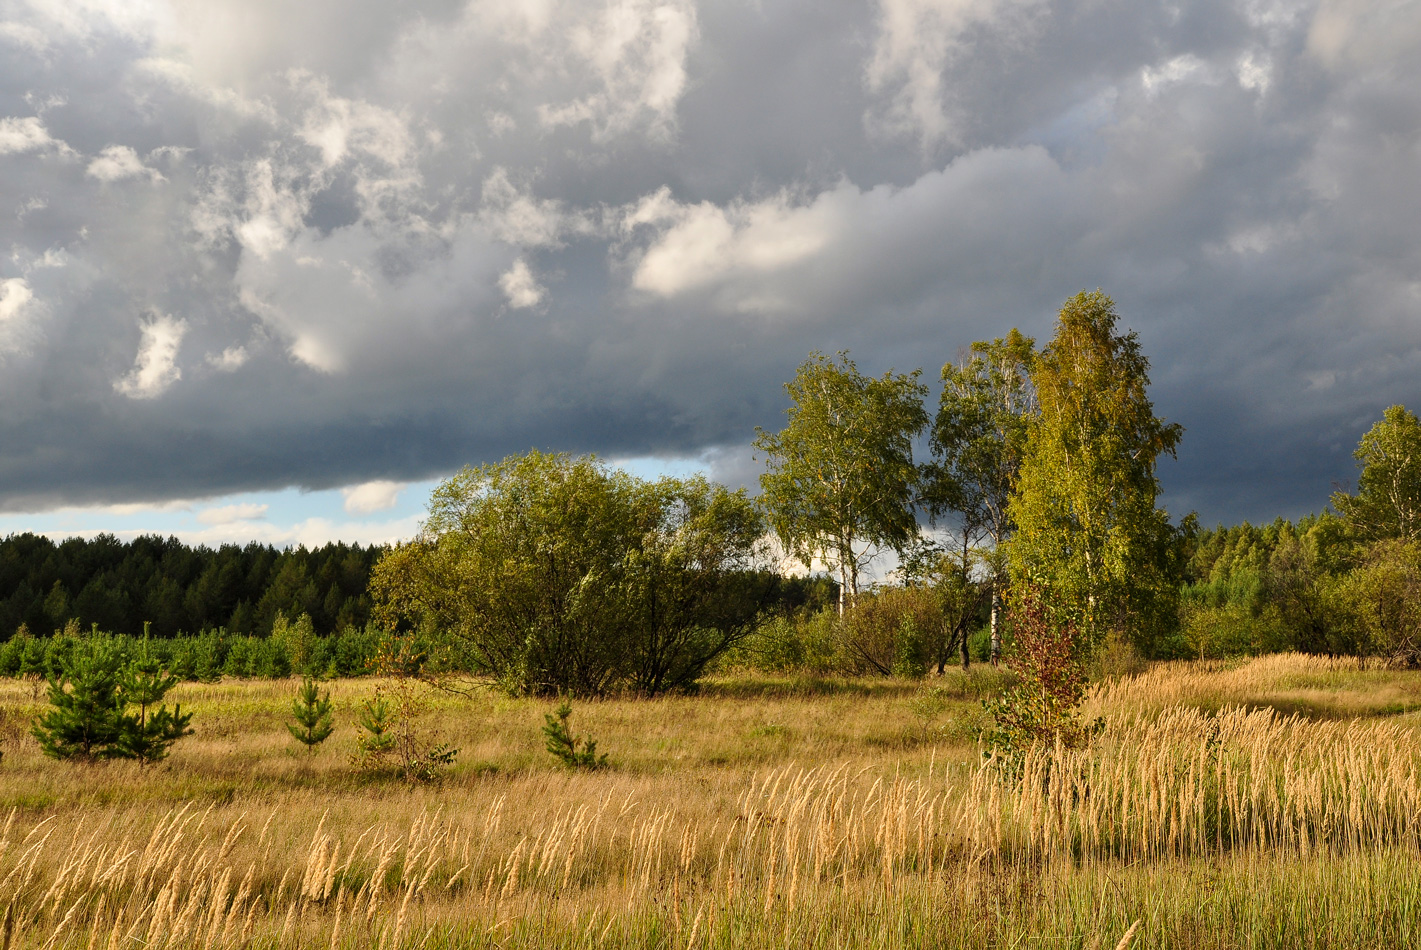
(377, 743)
(147, 734)
(84, 718)
(393, 741)
(89, 697)
(564, 745)
(312, 711)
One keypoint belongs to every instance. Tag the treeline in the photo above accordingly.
(1318, 586)
(119, 586)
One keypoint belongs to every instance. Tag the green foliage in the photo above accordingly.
(841, 472)
(297, 639)
(84, 719)
(894, 631)
(206, 656)
(565, 747)
(805, 641)
(960, 584)
(391, 739)
(1387, 505)
(1382, 598)
(979, 438)
(312, 711)
(1230, 629)
(89, 697)
(376, 743)
(559, 575)
(910, 651)
(119, 585)
(1089, 536)
(979, 435)
(149, 732)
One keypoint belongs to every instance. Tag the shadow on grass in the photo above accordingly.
(1313, 710)
(805, 685)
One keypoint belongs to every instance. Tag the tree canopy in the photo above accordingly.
(978, 438)
(841, 472)
(120, 585)
(556, 574)
(1089, 535)
(1387, 505)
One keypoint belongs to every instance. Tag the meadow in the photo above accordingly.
(1274, 802)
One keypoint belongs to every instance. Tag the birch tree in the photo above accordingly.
(840, 482)
(978, 438)
(1387, 505)
(1089, 535)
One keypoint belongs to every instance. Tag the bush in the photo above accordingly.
(84, 719)
(802, 642)
(563, 745)
(392, 741)
(89, 699)
(1047, 656)
(555, 575)
(895, 631)
(1383, 599)
(1229, 630)
(147, 734)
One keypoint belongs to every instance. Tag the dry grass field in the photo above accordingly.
(1275, 803)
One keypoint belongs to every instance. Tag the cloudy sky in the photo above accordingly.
(271, 268)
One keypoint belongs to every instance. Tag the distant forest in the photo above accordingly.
(120, 585)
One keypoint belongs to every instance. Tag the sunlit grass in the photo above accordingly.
(760, 813)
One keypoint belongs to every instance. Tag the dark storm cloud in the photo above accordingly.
(376, 241)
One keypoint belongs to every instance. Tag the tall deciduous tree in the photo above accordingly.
(841, 473)
(1387, 505)
(1089, 536)
(978, 439)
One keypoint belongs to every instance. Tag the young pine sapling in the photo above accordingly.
(563, 745)
(312, 711)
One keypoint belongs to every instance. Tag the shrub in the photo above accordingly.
(392, 741)
(563, 745)
(377, 741)
(803, 641)
(147, 734)
(312, 712)
(1383, 600)
(1043, 708)
(89, 699)
(557, 575)
(84, 716)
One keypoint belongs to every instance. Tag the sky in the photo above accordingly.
(271, 270)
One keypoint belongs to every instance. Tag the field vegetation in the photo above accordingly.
(588, 709)
(1269, 803)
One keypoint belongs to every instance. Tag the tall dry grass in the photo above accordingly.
(1229, 828)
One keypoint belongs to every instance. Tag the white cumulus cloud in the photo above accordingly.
(15, 294)
(118, 162)
(372, 496)
(20, 135)
(636, 50)
(155, 367)
(232, 358)
(17, 309)
(521, 287)
(228, 514)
